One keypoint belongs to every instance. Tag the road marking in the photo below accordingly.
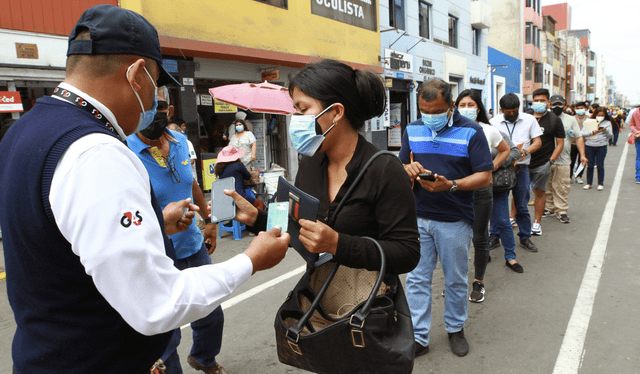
(570, 357)
(256, 290)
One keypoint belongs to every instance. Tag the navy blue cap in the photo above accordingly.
(114, 30)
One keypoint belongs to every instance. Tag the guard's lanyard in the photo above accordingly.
(506, 123)
(78, 101)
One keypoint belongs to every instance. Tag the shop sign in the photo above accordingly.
(399, 61)
(208, 172)
(24, 50)
(10, 102)
(360, 13)
(394, 136)
(171, 66)
(427, 67)
(478, 81)
(187, 81)
(221, 107)
(270, 75)
(206, 99)
(386, 117)
(388, 82)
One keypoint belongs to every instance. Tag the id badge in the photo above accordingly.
(278, 216)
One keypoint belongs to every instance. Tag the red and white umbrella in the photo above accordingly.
(258, 97)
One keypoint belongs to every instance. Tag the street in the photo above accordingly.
(528, 323)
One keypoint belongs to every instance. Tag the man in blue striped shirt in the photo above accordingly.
(454, 149)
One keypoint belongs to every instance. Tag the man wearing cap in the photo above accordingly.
(90, 271)
(552, 139)
(166, 156)
(560, 177)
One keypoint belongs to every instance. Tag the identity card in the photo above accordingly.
(278, 216)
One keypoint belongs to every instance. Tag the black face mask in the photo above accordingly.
(511, 117)
(155, 130)
(557, 110)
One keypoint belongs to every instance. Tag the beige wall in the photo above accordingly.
(507, 27)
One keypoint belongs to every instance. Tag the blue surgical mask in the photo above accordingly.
(580, 112)
(146, 117)
(303, 133)
(471, 113)
(239, 128)
(539, 107)
(435, 121)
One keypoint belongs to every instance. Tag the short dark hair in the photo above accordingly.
(179, 121)
(475, 96)
(509, 101)
(541, 91)
(361, 92)
(430, 89)
(581, 103)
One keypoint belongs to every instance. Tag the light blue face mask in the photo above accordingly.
(580, 112)
(146, 117)
(471, 113)
(435, 121)
(539, 107)
(302, 130)
(239, 128)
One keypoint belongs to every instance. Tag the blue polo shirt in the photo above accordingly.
(167, 191)
(457, 151)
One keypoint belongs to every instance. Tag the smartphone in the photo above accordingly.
(223, 207)
(427, 177)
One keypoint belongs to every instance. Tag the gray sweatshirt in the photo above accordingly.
(602, 139)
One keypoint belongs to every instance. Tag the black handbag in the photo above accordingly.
(344, 320)
(504, 179)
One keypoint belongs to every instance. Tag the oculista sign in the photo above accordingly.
(10, 102)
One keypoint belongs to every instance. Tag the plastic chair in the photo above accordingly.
(236, 228)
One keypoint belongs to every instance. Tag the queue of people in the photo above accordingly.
(116, 182)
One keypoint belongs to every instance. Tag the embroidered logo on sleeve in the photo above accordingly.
(128, 218)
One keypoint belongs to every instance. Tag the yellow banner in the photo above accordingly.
(208, 175)
(221, 107)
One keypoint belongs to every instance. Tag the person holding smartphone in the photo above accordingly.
(596, 148)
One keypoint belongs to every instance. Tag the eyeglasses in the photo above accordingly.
(175, 176)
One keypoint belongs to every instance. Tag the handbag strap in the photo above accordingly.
(358, 318)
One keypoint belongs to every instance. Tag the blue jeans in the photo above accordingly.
(596, 156)
(451, 242)
(207, 332)
(501, 226)
(637, 160)
(616, 133)
(521, 193)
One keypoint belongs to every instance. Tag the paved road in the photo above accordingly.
(521, 326)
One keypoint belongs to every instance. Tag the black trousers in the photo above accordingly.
(483, 205)
(574, 156)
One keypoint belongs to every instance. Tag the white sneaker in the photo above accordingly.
(579, 180)
(600, 187)
(586, 187)
(536, 228)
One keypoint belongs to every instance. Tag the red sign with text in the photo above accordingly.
(10, 102)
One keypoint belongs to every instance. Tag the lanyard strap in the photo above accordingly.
(506, 124)
(78, 101)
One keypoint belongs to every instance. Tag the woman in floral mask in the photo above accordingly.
(596, 148)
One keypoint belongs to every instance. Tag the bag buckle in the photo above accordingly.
(158, 367)
(357, 337)
(294, 343)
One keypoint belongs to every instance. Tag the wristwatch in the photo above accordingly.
(207, 221)
(454, 188)
(552, 161)
(525, 151)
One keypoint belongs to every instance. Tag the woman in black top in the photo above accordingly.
(381, 206)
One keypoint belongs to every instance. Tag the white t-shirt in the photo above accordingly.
(523, 131)
(192, 154)
(492, 134)
(244, 143)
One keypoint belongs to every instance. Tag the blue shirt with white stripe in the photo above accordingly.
(457, 151)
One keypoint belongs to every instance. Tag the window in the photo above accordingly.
(425, 19)
(528, 33)
(453, 31)
(279, 3)
(538, 73)
(556, 53)
(477, 34)
(528, 70)
(396, 14)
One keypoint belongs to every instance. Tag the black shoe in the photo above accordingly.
(477, 295)
(528, 245)
(420, 349)
(515, 267)
(564, 218)
(493, 242)
(458, 343)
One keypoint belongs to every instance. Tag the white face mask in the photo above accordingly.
(599, 119)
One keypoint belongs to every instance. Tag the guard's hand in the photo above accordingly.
(210, 237)
(175, 219)
(245, 211)
(583, 160)
(318, 237)
(268, 249)
(440, 184)
(413, 169)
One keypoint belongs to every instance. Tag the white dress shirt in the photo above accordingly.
(524, 130)
(97, 180)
